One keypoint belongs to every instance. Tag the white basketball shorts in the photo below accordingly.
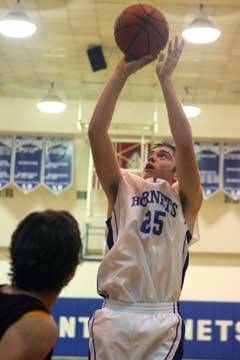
(123, 331)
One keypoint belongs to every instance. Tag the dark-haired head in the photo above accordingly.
(45, 251)
(161, 163)
(165, 144)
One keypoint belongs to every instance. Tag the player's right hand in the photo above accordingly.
(133, 66)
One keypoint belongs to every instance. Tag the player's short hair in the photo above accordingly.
(45, 249)
(166, 144)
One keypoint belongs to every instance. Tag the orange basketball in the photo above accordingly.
(139, 30)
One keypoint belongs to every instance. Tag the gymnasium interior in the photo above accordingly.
(70, 56)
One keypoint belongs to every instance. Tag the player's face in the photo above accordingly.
(161, 163)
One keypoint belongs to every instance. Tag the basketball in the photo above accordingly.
(139, 30)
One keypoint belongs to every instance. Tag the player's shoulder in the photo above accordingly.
(175, 187)
(33, 336)
(129, 176)
(41, 326)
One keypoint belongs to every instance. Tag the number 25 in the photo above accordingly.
(157, 222)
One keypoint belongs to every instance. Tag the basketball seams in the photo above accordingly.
(148, 23)
(126, 26)
(144, 11)
(134, 39)
(139, 30)
(148, 40)
(161, 17)
(139, 17)
(159, 33)
(141, 26)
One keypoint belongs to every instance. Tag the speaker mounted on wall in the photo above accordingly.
(96, 57)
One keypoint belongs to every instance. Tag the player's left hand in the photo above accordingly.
(165, 68)
(133, 66)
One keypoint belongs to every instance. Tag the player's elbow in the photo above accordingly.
(95, 129)
(92, 132)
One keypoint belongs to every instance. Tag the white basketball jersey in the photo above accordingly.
(147, 243)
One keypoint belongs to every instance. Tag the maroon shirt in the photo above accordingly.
(13, 307)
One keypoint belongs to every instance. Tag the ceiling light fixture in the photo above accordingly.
(201, 30)
(51, 103)
(17, 24)
(190, 111)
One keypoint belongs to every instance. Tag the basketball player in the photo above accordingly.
(150, 226)
(44, 254)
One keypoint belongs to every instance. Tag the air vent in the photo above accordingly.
(81, 195)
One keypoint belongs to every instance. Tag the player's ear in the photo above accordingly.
(175, 177)
(70, 276)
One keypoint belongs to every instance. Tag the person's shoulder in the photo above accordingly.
(40, 328)
(175, 187)
(126, 174)
(33, 338)
(132, 180)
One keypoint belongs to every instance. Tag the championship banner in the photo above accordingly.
(231, 170)
(129, 155)
(208, 158)
(27, 162)
(6, 144)
(58, 164)
(212, 328)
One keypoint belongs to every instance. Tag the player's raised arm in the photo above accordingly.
(105, 161)
(187, 169)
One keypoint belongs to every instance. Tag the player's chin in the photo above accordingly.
(147, 173)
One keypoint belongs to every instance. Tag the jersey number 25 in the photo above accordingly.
(156, 228)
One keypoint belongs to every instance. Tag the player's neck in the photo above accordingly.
(48, 299)
(147, 176)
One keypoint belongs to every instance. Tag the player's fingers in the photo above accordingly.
(147, 59)
(180, 49)
(170, 48)
(161, 57)
(175, 48)
(181, 46)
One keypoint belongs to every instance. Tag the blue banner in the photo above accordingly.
(27, 162)
(58, 164)
(208, 158)
(6, 143)
(212, 328)
(231, 170)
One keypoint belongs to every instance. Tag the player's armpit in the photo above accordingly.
(30, 338)
(191, 208)
(106, 164)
